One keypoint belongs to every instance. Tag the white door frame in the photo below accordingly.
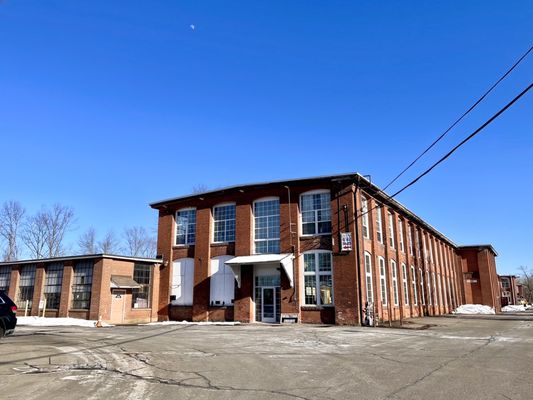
(274, 304)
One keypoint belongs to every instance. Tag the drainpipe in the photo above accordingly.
(358, 255)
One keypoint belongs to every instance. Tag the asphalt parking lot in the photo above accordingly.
(456, 358)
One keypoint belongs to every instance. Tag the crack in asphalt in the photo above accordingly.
(35, 369)
(488, 341)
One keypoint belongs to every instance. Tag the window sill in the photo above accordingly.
(304, 237)
(141, 309)
(221, 306)
(217, 244)
(183, 246)
(79, 309)
(311, 307)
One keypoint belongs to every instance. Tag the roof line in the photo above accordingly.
(82, 257)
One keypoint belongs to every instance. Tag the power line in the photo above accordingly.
(483, 126)
(459, 119)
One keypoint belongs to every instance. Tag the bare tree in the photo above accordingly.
(526, 279)
(33, 235)
(11, 215)
(109, 244)
(138, 242)
(200, 188)
(87, 242)
(44, 232)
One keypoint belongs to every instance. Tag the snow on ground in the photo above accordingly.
(514, 308)
(474, 309)
(192, 323)
(41, 321)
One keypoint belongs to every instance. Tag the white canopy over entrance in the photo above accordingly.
(285, 260)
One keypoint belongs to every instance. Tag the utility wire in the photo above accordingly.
(491, 119)
(460, 118)
(427, 171)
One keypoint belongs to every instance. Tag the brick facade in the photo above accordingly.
(433, 257)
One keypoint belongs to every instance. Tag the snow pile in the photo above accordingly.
(41, 321)
(474, 309)
(515, 308)
(192, 323)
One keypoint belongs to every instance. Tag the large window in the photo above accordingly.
(186, 226)
(405, 285)
(383, 279)
(415, 291)
(182, 282)
(391, 230)
(400, 232)
(266, 218)
(368, 278)
(318, 282)
(222, 287)
(410, 239)
(379, 225)
(26, 286)
(5, 278)
(430, 297)
(364, 213)
(224, 217)
(316, 213)
(82, 285)
(394, 270)
(140, 297)
(422, 291)
(52, 285)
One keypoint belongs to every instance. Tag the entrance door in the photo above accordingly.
(269, 304)
(117, 306)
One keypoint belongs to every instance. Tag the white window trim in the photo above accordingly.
(423, 292)
(365, 219)
(187, 229)
(379, 224)
(405, 285)
(392, 240)
(317, 274)
(318, 191)
(394, 271)
(400, 231)
(269, 198)
(213, 221)
(415, 290)
(383, 280)
(369, 278)
(410, 238)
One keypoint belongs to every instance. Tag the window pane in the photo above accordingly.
(309, 263)
(326, 292)
(310, 289)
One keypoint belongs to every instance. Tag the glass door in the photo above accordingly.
(269, 304)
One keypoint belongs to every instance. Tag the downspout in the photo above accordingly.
(358, 255)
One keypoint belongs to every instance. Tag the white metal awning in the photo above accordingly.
(285, 260)
(123, 282)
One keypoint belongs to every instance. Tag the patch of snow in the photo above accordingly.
(514, 308)
(42, 321)
(473, 309)
(192, 323)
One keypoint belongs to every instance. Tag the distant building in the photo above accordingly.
(331, 249)
(511, 291)
(119, 289)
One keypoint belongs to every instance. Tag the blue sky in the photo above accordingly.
(109, 105)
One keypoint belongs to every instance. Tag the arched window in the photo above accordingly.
(383, 279)
(318, 279)
(224, 223)
(368, 278)
(394, 269)
(364, 214)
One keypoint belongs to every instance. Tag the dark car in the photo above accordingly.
(8, 315)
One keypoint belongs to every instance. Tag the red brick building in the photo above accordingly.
(331, 249)
(118, 289)
(511, 291)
